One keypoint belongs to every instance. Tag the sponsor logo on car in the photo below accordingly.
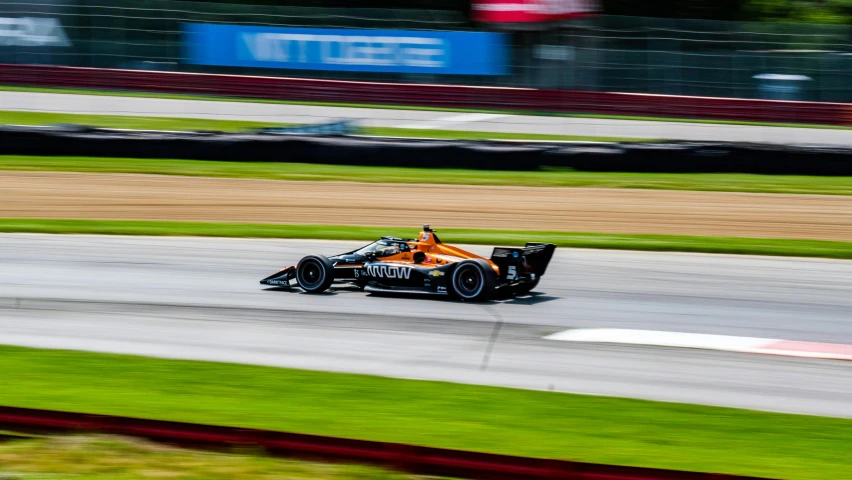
(388, 271)
(436, 273)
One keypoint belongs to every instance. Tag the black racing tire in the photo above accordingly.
(315, 273)
(525, 288)
(473, 280)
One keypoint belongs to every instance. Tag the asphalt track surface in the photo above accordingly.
(267, 112)
(200, 299)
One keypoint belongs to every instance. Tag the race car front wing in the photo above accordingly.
(280, 279)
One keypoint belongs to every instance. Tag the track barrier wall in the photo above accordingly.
(674, 157)
(410, 458)
(602, 53)
(429, 95)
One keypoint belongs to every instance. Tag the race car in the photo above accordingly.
(422, 265)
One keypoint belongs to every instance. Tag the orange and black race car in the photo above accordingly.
(422, 265)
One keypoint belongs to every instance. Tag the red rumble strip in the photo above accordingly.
(766, 346)
(410, 458)
(836, 351)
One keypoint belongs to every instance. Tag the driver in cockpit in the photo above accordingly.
(387, 250)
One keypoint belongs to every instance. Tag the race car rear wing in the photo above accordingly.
(533, 258)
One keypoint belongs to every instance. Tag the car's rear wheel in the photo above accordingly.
(315, 273)
(473, 280)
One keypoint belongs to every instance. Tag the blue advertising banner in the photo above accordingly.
(401, 51)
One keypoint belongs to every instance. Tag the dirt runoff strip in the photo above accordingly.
(155, 197)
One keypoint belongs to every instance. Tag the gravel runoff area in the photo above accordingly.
(155, 197)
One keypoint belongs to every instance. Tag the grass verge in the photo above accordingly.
(186, 124)
(488, 419)
(115, 458)
(669, 243)
(544, 178)
(126, 93)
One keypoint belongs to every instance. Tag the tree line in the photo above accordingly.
(805, 11)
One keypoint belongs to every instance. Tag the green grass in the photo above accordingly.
(671, 243)
(488, 419)
(128, 122)
(99, 457)
(185, 124)
(543, 178)
(124, 93)
(468, 135)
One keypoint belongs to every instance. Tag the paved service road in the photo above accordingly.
(379, 117)
(199, 298)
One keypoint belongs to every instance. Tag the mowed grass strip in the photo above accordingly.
(544, 178)
(98, 457)
(128, 93)
(188, 124)
(8, 117)
(670, 243)
(488, 419)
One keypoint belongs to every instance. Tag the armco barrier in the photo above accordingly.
(410, 458)
(675, 157)
(299, 89)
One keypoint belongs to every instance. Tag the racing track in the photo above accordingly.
(387, 117)
(199, 298)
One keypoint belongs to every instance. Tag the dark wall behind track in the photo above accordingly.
(255, 147)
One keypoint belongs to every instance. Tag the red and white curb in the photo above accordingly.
(766, 346)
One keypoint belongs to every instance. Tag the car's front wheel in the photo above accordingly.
(315, 273)
(473, 280)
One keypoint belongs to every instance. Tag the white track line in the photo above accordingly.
(464, 118)
(766, 346)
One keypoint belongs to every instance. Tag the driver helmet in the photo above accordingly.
(384, 250)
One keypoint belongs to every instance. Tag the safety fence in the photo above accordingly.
(594, 53)
(676, 157)
(410, 458)
(431, 95)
